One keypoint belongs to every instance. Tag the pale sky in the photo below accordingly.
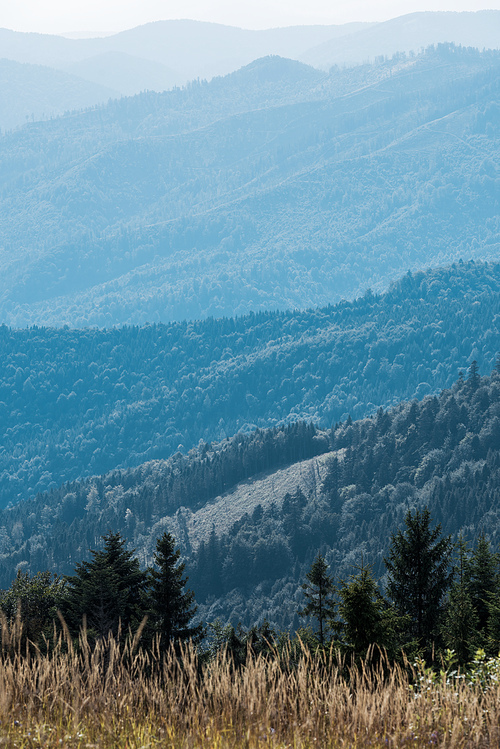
(60, 16)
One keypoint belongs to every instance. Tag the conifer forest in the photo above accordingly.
(250, 386)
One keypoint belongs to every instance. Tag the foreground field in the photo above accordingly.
(115, 697)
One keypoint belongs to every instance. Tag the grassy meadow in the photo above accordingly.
(122, 696)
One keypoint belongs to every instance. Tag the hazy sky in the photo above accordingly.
(59, 16)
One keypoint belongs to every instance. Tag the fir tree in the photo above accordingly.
(172, 607)
(419, 575)
(474, 378)
(484, 583)
(319, 591)
(460, 618)
(493, 631)
(367, 618)
(108, 591)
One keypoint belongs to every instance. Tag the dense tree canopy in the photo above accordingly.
(247, 558)
(75, 403)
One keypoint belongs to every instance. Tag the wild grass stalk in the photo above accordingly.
(116, 695)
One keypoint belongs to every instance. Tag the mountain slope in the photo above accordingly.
(409, 33)
(192, 48)
(34, 92)
(276, 187)
(80, 402)
(247, 552)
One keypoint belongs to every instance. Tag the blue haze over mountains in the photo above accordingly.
(189, 277)
(277, 186)
(160, 55)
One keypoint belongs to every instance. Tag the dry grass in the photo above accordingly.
(123, 697)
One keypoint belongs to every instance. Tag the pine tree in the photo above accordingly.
(484, 583)
(109, 591)
(367, 617)
(493, 632)
(474, 378)
(319, 591)
(460, 620)
(419, 575)
(172, 607)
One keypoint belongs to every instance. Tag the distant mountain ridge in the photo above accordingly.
(190, 49)
(201, 49)
(34, 92)
(409, 33)
(163, 54)
(278, 186)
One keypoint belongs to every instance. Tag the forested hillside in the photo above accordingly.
(275, 187)
(82, 402)
(41, 533)
(34, 92)
(442, 452)
(413, 31)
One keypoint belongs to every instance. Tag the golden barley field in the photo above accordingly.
(123, 697)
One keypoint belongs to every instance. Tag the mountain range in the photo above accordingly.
(160, 55)
(253, 311)
(275, 187)
(157, 56)
(79, 402)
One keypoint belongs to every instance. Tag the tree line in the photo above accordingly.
(437, 595)
(108, 595)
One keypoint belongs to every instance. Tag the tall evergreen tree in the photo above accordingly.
(172, 607)
(493, 631)
(474, 378)
(419, 574)
(460, 619)
(367, 619)
(109, 590)
(484, 582)
(318, 591)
